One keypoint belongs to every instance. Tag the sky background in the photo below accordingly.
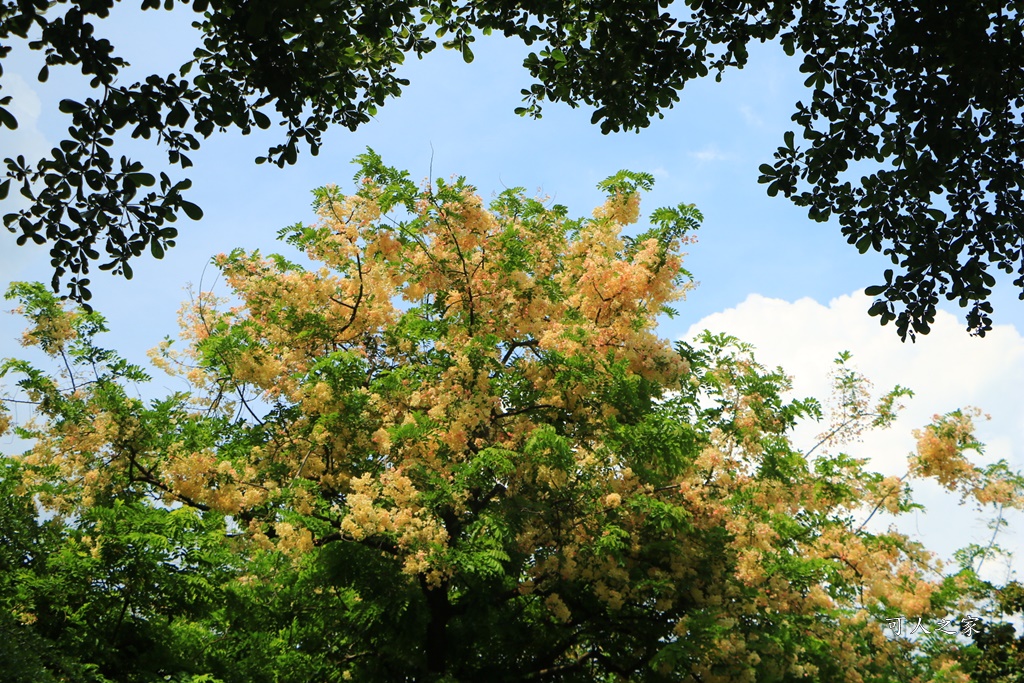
(790, 286)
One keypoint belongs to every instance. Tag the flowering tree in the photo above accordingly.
(455, 449)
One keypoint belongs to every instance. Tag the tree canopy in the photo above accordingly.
(452, 447)
(910, 137)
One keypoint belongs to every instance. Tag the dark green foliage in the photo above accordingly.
(912, 132)
(911, 136)
(108, 597)
(304, 64)
(922, 99)
(1000, 649)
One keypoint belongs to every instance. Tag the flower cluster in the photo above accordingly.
(464, 411)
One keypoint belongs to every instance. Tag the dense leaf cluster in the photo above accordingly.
(1000, 650)
(304, 65)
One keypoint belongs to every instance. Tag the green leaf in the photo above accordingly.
(142, 179)
(191, 210)
(257, 22)
(260, 119)
(7, 119)
(70, 106)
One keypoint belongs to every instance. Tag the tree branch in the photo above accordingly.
(531, 343)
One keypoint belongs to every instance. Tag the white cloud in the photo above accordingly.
(947, 369)
(709, 153)
(26, 107)
(751, 117)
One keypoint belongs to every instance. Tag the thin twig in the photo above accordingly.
(878, 505)
(992, 541)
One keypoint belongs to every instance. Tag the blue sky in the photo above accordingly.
(789, 285)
